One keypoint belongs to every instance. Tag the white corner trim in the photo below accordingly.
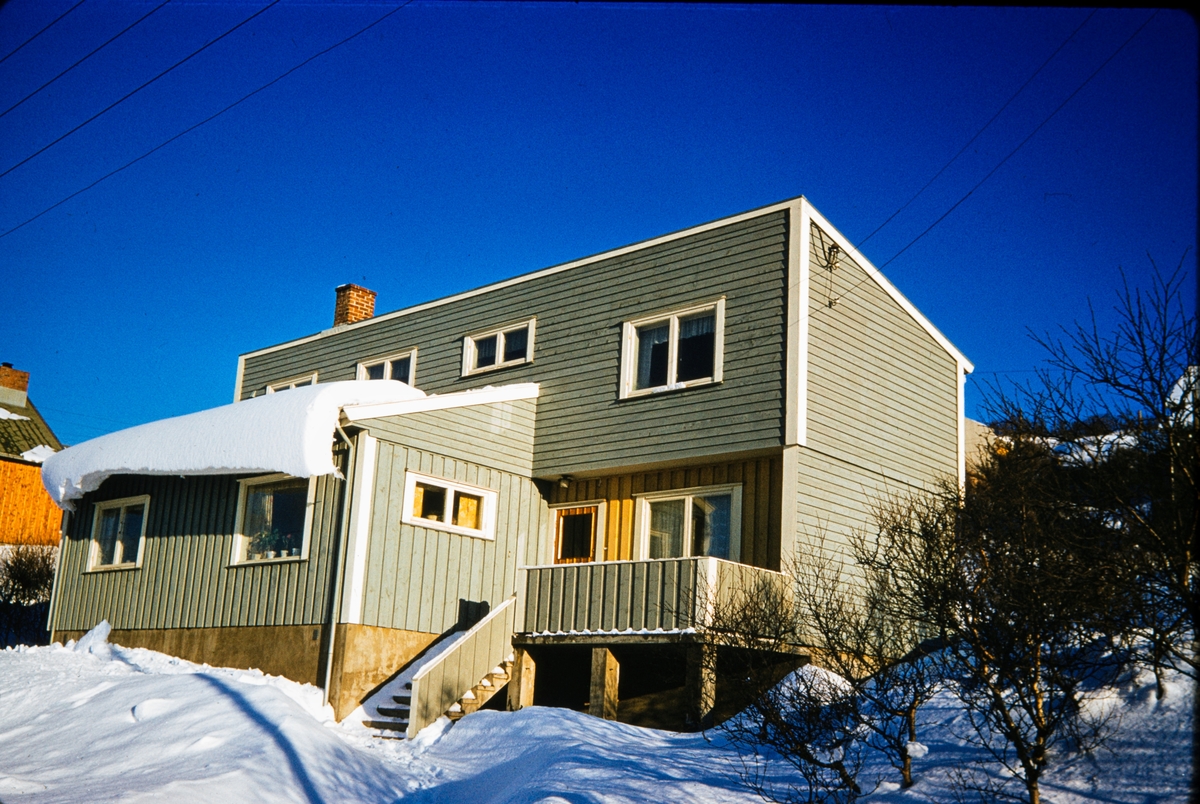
(362, 498)
(796, 419)
(237, 382)
(458, 399)
(887, 286)
(566, 266)
(963, 370)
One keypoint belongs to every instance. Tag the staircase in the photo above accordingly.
(453, 679)
(395, 715)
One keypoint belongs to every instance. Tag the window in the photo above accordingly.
(691, 522)
(673, 350)
(118, 533)
(273, 518)
(575, 531)
(431, 502)
(400, 367)
(498, 348)
(294, 382)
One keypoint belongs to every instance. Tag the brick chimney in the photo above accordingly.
(354, 303)
(13, 385)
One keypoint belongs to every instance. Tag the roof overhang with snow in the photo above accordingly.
(290, 431)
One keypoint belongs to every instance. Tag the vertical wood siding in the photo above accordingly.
(186, 579)
(882, 393)
(581, 424)
(416, 576)
(762, 487)
(27, 514)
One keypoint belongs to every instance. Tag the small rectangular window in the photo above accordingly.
(118, 533)
(394, 367)
(674, 350)
(578, 529)
(498, 348)
(294, 382)
(432, 502)
(691, 522)
(273, 518)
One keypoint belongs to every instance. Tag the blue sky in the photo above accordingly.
(457, 144)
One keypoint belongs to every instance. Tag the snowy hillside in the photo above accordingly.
(102, 723)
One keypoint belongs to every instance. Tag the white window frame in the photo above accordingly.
(642, 518)
(487, 515)
(94, 551)
(468, 361)
(411, 354)
(629, 350)
(598, 546)
(285, 385)
(239, 538)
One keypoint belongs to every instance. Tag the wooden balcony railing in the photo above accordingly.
(671, 594)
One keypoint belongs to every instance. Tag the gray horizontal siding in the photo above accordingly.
(581, 424)
(498, 435)
(185, 580)
(882, 393)
(416, 576)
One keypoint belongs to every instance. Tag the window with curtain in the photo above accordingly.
(273, 514)
(499, 348)
(673, 351)
(118, 531)
(397, 367)
(692, 522)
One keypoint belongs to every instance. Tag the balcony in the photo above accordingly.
(633, 600)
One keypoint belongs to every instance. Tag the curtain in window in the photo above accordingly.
(666, 529)
(515, 343)
(485, 352)
(653, 342)
(131, 533)
(110, 525)
(697, 337)
(400, 369)
(711, 525)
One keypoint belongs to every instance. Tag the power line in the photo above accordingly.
(139, 89)
(85, 58)
(191, 128)
(1002, 162)
(980, 131)
(39, 33)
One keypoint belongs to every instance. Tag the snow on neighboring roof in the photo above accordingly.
(5, 413)
(289, 431)
(39, 453)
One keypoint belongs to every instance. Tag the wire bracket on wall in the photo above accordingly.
(831, 259)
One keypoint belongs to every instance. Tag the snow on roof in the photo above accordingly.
(39, 453)
(289, 431)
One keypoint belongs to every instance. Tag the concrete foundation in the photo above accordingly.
(365, 656)
(292, 651)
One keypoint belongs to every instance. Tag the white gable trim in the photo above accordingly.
(458, 399)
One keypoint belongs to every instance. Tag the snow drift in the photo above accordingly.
(290, 431)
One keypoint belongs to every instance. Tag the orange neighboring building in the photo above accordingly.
(27, 514)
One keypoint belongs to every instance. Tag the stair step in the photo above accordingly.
(386, 725)
(403, 699)
(400, 712)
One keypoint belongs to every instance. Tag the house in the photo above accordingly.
(556, 476)
(27, 514)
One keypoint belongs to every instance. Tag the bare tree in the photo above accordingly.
(870, 638)
(27, 573)
(1122, 404)
(809, 719)
(1023, 584)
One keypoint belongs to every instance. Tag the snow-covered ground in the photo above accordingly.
(95, 722)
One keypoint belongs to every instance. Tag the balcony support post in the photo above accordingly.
(520, 686)
(701, 683)
(606, 673)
